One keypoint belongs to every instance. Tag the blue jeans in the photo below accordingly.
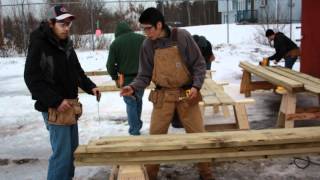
(208, 65)
(289, 62)
(64, 140)
(134, 108)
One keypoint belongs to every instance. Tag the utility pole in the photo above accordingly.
(228, 41)
(188, 11)
(252, 10)
(277, 14)
(291, 6)
(162, 7)
(24, 29)
(1, 22)
(92, 25)
(204, 12)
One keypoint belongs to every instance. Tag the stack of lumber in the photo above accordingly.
(198, 147)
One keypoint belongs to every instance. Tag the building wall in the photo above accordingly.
(310, 53)
(269, 11)
(283, 12)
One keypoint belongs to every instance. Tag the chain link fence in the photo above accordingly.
(18, 18)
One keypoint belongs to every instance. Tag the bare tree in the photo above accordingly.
(1, 23)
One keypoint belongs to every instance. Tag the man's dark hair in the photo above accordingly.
(269, 32)
(151, 16)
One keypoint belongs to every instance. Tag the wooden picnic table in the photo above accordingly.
(293, 82)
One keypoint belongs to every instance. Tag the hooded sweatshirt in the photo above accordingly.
(124, 53)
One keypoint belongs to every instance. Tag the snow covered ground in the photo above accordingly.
(25, 144)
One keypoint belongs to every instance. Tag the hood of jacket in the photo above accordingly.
(122, 28)
(45, 32)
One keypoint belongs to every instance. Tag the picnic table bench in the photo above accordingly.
(215, 96)
(293, 82)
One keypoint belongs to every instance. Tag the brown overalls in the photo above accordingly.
(170, 73)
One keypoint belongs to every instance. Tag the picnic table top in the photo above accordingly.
(291, 80)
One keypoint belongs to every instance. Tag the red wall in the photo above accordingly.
(310, 44)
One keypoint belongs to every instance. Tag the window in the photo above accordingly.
(263, 3)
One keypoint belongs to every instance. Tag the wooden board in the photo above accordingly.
(110, 88)
(296, 73)
(195, 155)
(308, 84)
(96, 73)
(201, 140)
(274, 78)
(224, 98)
(220, 145)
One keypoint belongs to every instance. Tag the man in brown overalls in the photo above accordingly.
(172, 60)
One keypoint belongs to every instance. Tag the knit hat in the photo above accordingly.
(269, 32)
(59, 12)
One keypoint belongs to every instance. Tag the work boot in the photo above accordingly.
(207, 177)
(205, 171)
(152, 171)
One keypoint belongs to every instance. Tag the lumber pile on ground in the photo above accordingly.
(198, 146)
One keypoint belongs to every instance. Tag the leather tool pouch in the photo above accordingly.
(68, 117)
(156, 97)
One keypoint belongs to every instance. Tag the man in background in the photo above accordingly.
(122, 65)
(285, 48)
(205, 48)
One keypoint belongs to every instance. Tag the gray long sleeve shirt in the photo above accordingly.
(188, 49)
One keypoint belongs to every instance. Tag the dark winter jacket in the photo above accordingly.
(52, 70)
(204, 46)
(283, 45)
(188, 49)
(124, 53)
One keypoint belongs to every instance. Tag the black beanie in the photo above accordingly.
(269, 32)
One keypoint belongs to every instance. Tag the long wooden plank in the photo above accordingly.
(97, 73)
(306, 76)
(219, 127)
(272, 77)
(308, 85)
(195, 155)
(209, 96)
(224, 98)
(203, 140)
(303, 116)
(110, 88)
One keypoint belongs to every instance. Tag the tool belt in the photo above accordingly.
(159, 96)
(67, 117)
(293, 53)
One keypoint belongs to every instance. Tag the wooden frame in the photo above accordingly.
(294, 82)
